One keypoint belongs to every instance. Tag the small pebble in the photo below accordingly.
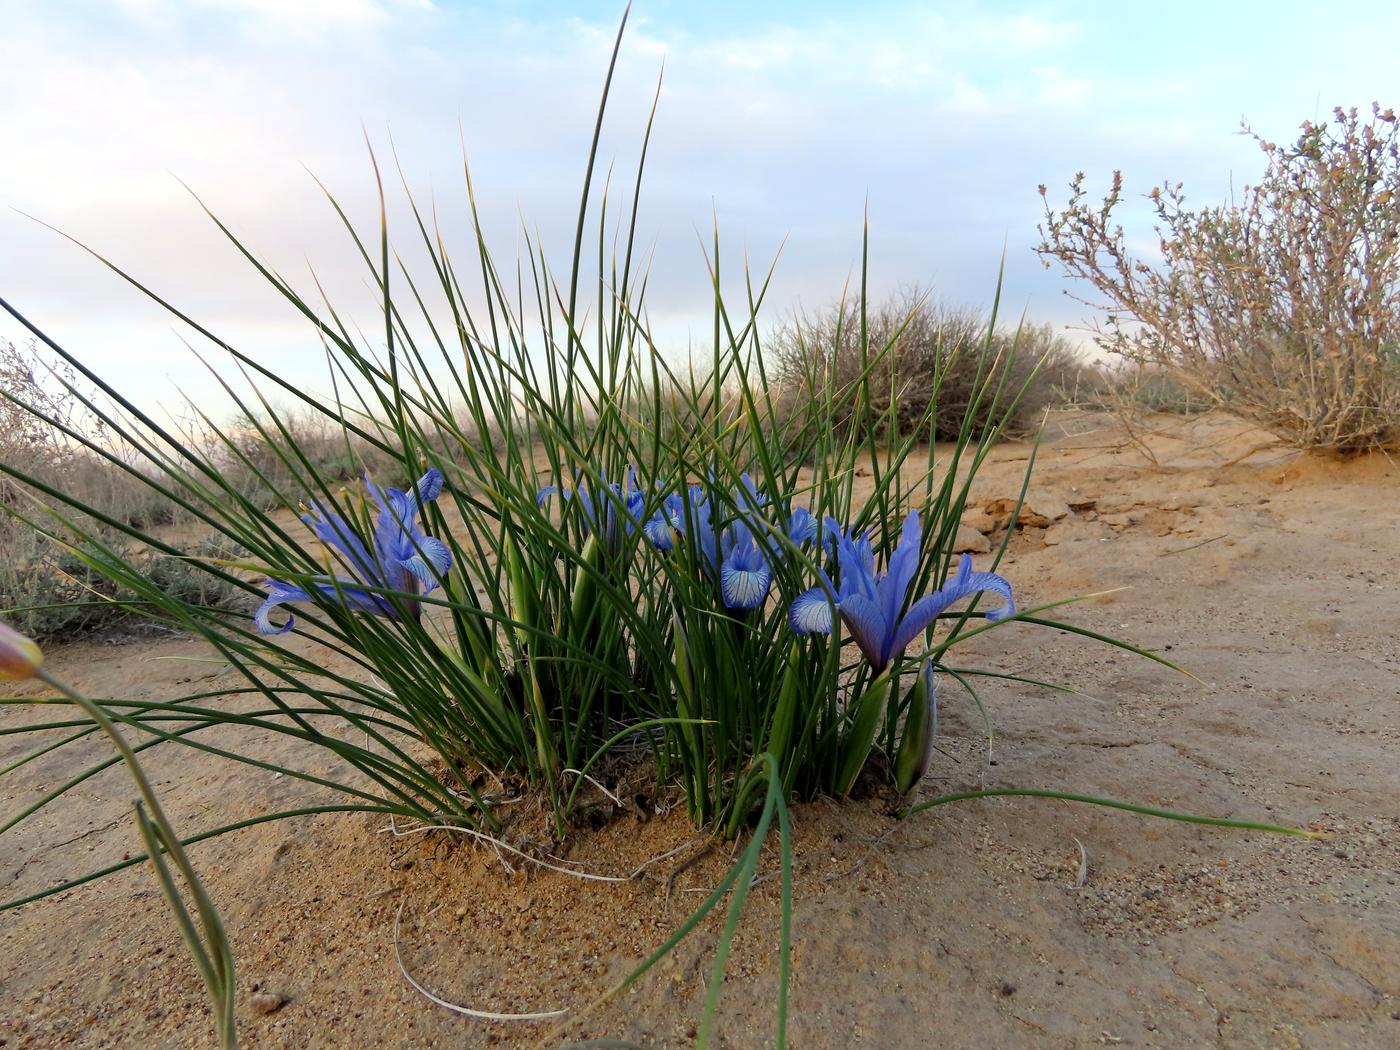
(267, 1002)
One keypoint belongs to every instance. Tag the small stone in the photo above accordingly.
(265, 1003)
(970, 541)
(1039, 512)
(1042, 512)
(1000, 511)
(1007, 988)
(981, 521)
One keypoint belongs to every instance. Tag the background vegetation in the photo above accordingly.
(1282, 307)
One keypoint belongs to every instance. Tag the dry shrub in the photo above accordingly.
(46, 590)
(1283, 308)
(936, 353)
(262, 458)
(1125, 386)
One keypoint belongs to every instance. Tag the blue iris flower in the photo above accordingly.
(870, 604)
(600, 509)
(730, 550)
(399, 557)
(669, 519)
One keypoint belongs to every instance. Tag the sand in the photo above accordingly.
(1273, 579)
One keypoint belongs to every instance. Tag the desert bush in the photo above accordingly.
(52, 428)
(35, 403)
(1160, 391)
(263, 456)
(48, 592)
(1126, 386)
(914, 357)
(1283, 308)
(51, 592)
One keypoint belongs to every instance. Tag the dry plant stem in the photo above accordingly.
(464, 1011)
(211, 953)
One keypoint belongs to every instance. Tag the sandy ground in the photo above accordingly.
(1274, 579)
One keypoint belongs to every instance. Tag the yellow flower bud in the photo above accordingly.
(19, 656)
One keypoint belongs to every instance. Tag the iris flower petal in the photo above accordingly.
(344, 591)
(920, 615)
(968, 582)
(431, 566)
(811, 612)
(278, 593)
(893, 588)
(744, 588)
(334, 531)
(862, 618)
(428, 488)
(965, 584)
(399, 558)
(659, 531)
(856, 559)
(802, 526)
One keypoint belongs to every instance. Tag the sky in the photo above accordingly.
(785, 123)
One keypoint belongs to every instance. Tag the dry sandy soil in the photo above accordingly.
(1273, 579)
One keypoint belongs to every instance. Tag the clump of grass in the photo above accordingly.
(940, 357)
(1283, 308)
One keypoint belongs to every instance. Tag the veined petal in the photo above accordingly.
(917, 620)
(894, 587)
(351, 595)
(811, 611)
(659, 531)
(857, 563)
(428, 487)
(862, 618)
(802, 526)
(431, 565)
(744, 588)
(278, 593)
(967, 582)
(334, 531)
(392, 538)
